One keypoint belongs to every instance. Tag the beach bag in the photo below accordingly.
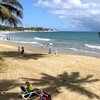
(45, 96)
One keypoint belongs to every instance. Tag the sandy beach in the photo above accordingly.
(75, 77)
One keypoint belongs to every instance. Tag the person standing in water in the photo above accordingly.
(50, 48)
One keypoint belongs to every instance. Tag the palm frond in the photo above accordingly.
(13, 21)
(14, 10)
(10, 12)
(13, 2)
(4, 11)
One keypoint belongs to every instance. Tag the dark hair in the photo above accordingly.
(27, 82)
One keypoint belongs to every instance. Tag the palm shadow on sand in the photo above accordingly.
(72, 82)
(6, 85)
(25, 56)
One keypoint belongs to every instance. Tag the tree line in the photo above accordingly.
(9, 28)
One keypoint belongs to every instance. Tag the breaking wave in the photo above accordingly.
(92, 46)
(42, 39)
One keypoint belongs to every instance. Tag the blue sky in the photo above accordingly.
(69, 15)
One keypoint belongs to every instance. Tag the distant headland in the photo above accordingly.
(26, 29)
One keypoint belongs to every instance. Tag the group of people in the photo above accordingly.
(8, 38)
(4, 38)
(21, 50)
(49, 48)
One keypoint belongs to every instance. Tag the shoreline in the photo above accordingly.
(27, 47)
(33, 48)
(37, 44)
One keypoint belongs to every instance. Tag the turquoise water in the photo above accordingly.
(85, 43)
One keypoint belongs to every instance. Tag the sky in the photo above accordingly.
(64, 15)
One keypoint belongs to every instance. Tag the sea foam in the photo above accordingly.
(23, 42)
(92, 46)
(79, 50)
(42, 39)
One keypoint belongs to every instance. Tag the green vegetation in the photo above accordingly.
(10, 12)
(2, 64)
(56, 89)
(7, 28)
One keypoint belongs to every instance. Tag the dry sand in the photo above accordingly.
(76, 77)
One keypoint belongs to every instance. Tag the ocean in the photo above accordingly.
(83, 43)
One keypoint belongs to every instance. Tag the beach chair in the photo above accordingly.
(27, 94)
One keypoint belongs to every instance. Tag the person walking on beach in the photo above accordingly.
(49, 50)
(22, 51)
(41, 45)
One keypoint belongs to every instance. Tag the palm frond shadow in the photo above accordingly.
(6, 85)
(72, 82)
(25, 56)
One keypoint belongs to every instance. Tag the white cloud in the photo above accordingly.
(76, 10)
(94, 12)
(62, 17)
(57, 1)
(75, 2)
(58, 12)
(43, 3)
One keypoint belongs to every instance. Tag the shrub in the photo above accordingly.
(2, 65)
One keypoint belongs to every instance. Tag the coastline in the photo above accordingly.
(78, 47)
(34, 49)
(31, 47)
(1, 31)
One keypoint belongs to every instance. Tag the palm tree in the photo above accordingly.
(10, 12)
